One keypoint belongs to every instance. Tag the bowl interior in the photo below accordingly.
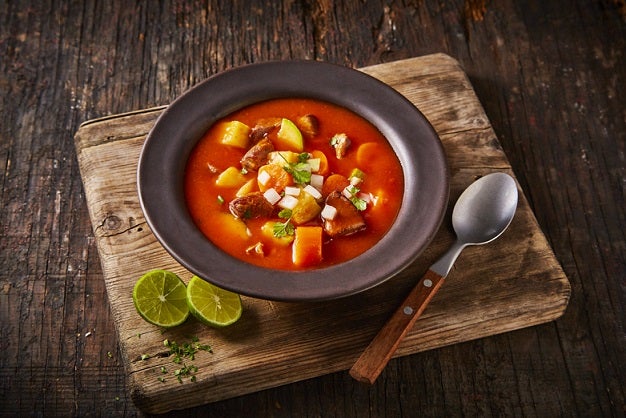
(169, 143)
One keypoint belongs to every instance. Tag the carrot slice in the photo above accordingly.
(323, 170)
(334, 183)
(307, 246)
(275, 177)
(368, 152)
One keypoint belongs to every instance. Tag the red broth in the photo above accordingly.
(208, 203)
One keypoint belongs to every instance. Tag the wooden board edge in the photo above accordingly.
(121, 115)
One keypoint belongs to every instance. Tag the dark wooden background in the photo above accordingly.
(550, 74)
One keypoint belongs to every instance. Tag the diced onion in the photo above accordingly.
(347, 191)
(288, 202)
(329, 212)
(272, 196)
(313, 191)
(263, 178)
(292, 191)
(317, 181)
(315, 164)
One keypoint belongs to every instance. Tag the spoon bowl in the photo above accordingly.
(485, 209)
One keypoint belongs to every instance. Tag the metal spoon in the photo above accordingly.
(482, 213)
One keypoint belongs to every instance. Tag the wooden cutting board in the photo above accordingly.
(512, 283)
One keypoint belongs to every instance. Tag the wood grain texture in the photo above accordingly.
(549, 75)
(276, 343)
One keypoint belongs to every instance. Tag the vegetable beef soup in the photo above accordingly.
(293, 184)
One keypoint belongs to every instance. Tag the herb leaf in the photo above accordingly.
(360, 204)
(285, 214)
(282, 229)
(301, 172)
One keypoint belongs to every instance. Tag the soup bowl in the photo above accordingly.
(161, 170)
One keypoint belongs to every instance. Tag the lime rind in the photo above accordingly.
(212, 305)
(160, 298)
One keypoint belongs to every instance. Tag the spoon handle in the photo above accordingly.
(378, 353)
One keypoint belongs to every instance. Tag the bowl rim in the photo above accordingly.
(166, 149)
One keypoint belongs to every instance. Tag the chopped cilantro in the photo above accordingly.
(282, 229)
(179, 352)
(300, 171)
(303, 157)
(360, 204)
(285, 214)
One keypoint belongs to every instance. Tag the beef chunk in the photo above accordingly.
(309, 125)
(348, 219)
(257, 155)
(263, 127)
(251, 206)
(340, 142)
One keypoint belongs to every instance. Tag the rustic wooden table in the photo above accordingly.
(550, 75)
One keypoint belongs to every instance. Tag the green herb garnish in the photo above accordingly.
(282, 229)
(300, 171)
(187, 350)
(186, 371)
(179, 352)
(359, 203)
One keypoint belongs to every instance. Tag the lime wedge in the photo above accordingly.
(212, 305)
(160, 297)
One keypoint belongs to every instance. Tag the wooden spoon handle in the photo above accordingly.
(376, 356)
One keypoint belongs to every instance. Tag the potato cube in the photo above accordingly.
(249, 187)
(282, 158)
(235, 226)
(268, 231)
(231, 177)
(306, 209)
(235, 134)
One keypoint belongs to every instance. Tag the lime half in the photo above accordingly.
(160, 297)
(212, 305)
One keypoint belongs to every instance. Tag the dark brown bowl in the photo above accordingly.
(168, 145)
